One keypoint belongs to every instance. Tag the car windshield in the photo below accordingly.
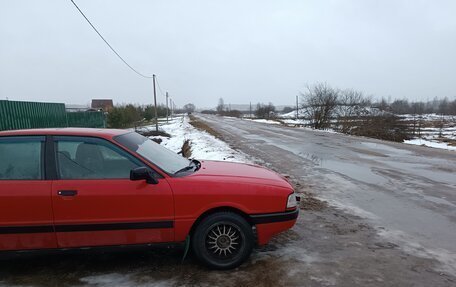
(167, 160)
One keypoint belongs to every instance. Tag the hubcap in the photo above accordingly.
(223, 240)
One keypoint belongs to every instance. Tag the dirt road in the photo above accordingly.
(404, 197)
(390, 220)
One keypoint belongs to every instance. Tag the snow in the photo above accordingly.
(292, 115)
(340, 110)
(430, 136)
(292, 122)
(264, 121)
(429, 143)
(429, 117)
(204, 146)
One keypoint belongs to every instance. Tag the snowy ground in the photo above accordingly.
(430, 135)
(272, 122)
(430, 117)
(430, 143)
(436, 131)
(204, 146)
(294, 122)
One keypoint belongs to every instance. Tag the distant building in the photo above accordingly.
(102, 104)
(76, 108)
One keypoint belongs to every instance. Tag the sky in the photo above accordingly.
(241, 51)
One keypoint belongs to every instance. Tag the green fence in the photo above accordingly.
(86, 119)
(16, 115)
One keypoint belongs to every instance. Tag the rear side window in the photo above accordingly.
(92, 158)
(21, 158)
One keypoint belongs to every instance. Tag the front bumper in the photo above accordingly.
(274, 217)
(270, 224)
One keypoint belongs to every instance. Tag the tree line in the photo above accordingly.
(260, 110)
(127, 116)
(435, 106)
(350, 111)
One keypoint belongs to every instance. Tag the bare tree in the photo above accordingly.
(452, 108)
(351, 106)
(383, 105)
(400, 107)
(319, 104)
(264, 111)
(417, 113)
(444, 106)
(443, 110)
(221, 106)
(189, 108)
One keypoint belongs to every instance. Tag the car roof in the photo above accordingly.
(104, 133)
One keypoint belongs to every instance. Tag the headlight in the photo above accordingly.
(291, 202)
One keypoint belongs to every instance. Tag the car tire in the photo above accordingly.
(223, 240)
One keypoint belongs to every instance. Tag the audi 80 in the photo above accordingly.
(73, 188)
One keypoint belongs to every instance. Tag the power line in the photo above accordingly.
(110, 47)
(159, 88)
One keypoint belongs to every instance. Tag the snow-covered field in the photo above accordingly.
(430, 143)
(430, 135)
(430, 117)
(435, 131)
(292, 115)
(204, 146)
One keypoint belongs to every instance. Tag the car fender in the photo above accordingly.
(184, 225)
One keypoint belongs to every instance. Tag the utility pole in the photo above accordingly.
(155, 104)
(297, 107)
(166, 107)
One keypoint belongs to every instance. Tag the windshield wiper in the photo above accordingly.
(193, 164)
(196, 163)
(188, 167)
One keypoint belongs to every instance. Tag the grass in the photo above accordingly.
(204, 127)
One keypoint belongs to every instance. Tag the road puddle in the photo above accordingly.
(353, 170)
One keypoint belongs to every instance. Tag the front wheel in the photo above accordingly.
(223, 240)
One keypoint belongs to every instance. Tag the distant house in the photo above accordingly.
(76, 108)
(102, 104)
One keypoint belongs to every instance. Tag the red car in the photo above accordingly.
(71, 188)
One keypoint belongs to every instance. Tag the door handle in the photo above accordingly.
(67, 192)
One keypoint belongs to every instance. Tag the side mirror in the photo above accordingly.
(143, 173)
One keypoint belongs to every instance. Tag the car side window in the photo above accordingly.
(92, 158)
(21, 158)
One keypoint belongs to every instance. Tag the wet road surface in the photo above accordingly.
(390, 220)
(406, 193)
(404, 188)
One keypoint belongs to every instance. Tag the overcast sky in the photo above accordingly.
(258, 51)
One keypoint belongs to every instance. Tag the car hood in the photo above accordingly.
(250, 172)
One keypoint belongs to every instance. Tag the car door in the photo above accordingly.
(26, 220)
(95, 202)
